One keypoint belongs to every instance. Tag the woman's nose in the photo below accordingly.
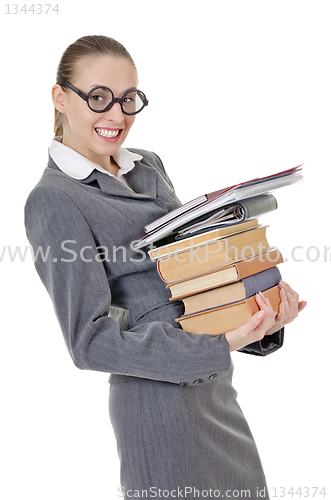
(115, 113)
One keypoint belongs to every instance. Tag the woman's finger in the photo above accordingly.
(263, 302)
(269, 318)
(265, 305)
(253, 323)
(284, 299)
(302, 305)
(293, 292)
(281, 313)
(292, 306)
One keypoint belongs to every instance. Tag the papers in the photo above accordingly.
(238, 192)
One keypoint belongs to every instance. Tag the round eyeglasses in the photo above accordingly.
(101, 99)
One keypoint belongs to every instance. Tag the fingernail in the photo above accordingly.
(282, 305)
(281, 284)
(259, 314)
(261, 294)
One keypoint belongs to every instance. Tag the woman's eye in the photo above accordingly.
(97, 97)
(128, 99)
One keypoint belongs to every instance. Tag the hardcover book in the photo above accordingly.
(228, 294)
(211, 255)
(224, 275)
(225, 318)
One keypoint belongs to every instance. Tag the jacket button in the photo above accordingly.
(198, 381)
(214, 375)
(183, 383)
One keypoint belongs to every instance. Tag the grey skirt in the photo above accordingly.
(183, 442)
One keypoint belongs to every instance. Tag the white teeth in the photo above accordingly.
(107, 133)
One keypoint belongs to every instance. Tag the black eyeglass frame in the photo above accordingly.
(120, 100)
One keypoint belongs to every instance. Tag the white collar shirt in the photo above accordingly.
(79, 167)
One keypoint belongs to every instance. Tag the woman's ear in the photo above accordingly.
(59, 98)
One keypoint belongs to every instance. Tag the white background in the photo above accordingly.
(237, 89)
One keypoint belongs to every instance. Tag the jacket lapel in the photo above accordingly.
(142, 180)
(142, 183)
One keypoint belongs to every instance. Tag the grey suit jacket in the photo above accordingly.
(112, 306)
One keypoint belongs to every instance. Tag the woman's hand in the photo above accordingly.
(265, 321)
(288, 309)
(256, 328)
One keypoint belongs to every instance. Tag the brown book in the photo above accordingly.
(186, 243)
(228, 294)
(211, 255)
(226, 318)
(225, 275)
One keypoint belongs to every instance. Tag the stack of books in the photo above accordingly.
(218, 257)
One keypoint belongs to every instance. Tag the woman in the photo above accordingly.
(172, 405)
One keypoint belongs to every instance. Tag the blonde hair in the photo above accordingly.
(87, 46)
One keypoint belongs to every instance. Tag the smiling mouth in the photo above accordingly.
(108, 133)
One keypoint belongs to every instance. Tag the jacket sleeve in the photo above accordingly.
(268, 345)
(78, 286)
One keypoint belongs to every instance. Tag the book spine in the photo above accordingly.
(258, 205)
(261, 281)
(213, 247)
(262, 261)
(272, 294)
(225, 318)
(252, 285)
(225, 252)
(159, 271)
